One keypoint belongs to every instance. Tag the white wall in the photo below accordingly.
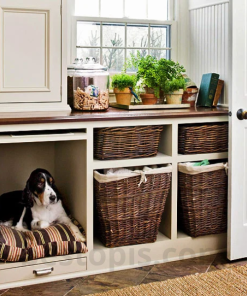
(182, 16)
(209, 41)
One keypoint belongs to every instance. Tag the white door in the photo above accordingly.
(30, 51)
(237, 222)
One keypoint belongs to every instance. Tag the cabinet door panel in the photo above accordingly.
(30, 49)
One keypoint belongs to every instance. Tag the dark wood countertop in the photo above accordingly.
(110, 114)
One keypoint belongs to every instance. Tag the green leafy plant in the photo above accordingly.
(160, 75)
(146, 70)
(170, 76)
(121, 81)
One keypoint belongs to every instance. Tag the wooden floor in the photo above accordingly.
(123, 279)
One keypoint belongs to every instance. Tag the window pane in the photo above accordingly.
(158, 36)
(88, 52)
(158, 9)
(113, 59)
(136, 9)
(113, 35)
(160, 53)
(88, 34)
(143, 53)
(137, 35)
(112, 8)
(87, 8)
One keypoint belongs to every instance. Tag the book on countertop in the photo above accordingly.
(218, 92)
(207, 89)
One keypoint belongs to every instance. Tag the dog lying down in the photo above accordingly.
(38, 206)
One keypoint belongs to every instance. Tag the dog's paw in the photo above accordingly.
(7, 223)
(85, 249)
(42, 224)
(80, 237)
(18, 228)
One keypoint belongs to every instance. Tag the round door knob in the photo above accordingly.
(241, 114)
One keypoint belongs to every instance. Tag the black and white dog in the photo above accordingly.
(38, 206)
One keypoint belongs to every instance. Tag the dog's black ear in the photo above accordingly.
(27, 197)
(59, 196)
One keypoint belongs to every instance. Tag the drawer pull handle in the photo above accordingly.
(44, 271)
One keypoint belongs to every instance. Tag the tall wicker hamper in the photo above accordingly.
(130, 214)
(126, 142)
(202, 200)
(203, 138)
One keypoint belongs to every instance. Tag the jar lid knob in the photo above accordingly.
(91, 60)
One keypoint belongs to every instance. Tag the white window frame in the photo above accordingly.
(172, 24)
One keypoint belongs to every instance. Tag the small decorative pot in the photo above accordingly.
(148, 99)
(123, 97)
(174, 97)
(190, 95)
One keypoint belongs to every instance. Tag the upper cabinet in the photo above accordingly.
(33, 55)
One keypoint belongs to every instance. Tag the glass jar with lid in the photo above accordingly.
(90, 86)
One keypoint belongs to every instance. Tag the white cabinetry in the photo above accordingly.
(66, 150)
(33, 55)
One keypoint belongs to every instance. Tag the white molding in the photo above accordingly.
(174, 41)
(67, 276)
(197, 4)
(122, 20)
(70, 13)
(34, 107)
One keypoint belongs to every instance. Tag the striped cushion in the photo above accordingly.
(52, 241)
(13, 245)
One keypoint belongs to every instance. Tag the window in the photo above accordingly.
(109, 34)
(134, 9)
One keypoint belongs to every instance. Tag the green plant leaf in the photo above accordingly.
(121, 81)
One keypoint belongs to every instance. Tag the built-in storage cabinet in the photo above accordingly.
(66, 149)
(31, 39)
(171, 241)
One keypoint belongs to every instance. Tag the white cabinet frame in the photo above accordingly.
(171, 244)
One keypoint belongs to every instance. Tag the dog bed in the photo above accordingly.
(56, 240)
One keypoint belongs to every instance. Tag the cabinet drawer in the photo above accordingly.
(42, 270)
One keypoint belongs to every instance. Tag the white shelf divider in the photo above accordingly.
(108, 164)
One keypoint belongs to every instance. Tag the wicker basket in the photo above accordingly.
(203, 138)
(126, 142)
(130, 214)
(202, 203)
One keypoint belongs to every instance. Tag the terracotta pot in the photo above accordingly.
(174, 97)
(148, 99)
(160, 100)
(123, 97)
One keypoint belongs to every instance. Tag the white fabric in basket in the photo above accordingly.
(102, 178)
(188, 168)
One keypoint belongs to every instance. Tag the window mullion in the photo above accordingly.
(149, 36)
(125, 50)
(101, 42)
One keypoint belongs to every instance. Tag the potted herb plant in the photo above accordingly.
(122, 84)
(171, 81)
(146, 76)
(157, 77)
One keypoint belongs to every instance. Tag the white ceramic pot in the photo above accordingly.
(174, 97)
